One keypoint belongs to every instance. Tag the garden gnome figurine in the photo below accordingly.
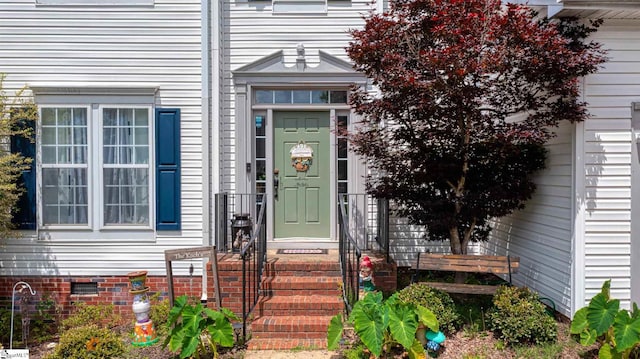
(366, 275)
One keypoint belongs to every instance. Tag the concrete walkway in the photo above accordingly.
(291, 354)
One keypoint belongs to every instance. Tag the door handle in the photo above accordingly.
(276, 182)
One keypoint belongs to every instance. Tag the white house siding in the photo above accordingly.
(607, 162)
(106, 46)
(540, 234)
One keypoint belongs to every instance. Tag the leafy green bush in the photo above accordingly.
(87, 342)
(519, 317)
(617, 330)
(381, 325)
(5, 326)
(159, 314)
(90, 314)
(197, 329)
(439, 302)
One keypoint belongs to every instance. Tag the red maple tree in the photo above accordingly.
(468, 93)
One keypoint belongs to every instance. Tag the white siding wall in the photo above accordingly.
(113, 46)
(541, 233)
(607, 162)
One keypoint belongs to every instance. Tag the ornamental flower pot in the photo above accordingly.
(137, 280)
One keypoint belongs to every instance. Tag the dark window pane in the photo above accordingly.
(261, 173)
(283, 96)
(338, 96)
(301, 96)
(342, 170)
(264, 96)
(319, 96)
(261, 187)
(260, 131)
(342, 148)
(342, 187)
(260, 148)
(343, 121)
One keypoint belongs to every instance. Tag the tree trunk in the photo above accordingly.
(457, 248)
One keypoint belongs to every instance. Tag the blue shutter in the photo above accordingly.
(25, 215)
(167, 169)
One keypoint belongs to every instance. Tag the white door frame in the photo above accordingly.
(270, 72)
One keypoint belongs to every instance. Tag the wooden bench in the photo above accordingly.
(498, 265)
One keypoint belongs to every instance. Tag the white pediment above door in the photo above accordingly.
(273, 68)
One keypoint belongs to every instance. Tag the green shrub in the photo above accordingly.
(84, 314)
(88, 342)
(160, 315)
(519, 317)
(5, 327)
(439, 302)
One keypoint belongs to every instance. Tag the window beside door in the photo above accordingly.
(117, 175)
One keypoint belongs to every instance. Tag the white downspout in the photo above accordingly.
(205, 33)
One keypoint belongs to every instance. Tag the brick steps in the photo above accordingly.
(291, 324)
(292, 285)
(286, 344)
(299, 298)
(300, 305)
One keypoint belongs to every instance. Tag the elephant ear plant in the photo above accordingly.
(197, 330)
(382, 324)
(617, 330)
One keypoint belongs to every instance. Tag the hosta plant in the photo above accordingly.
(198, 330)
(617, 330)
(382, 324)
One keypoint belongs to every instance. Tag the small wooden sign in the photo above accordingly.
(192, 253)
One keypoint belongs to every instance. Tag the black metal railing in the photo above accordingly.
(254, 256)
(368, 219)
(248, 239)
(227, 206)
(350, 254)
(363, 225)
(382, 226)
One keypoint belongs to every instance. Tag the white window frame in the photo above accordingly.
(150, 166)
(95, 215)
(292, 7)
(40, 165)
(102, 3)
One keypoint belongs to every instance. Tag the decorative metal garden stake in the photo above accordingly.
(13, 295)
(144, 333)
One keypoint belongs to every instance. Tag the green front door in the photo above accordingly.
(302, 204)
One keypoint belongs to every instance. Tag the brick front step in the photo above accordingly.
(282, 335)
(290, 324)
(286, 344)
(300, 269)
(283, 285)
(300, 305)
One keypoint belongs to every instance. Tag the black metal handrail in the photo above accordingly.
(382, 225)
(350, 255)
(254, 256)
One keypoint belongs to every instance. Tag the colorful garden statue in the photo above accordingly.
(366, 276)
(434, 340)
(144, 333)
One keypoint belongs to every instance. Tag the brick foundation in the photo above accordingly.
(385, 274)
(111, 290)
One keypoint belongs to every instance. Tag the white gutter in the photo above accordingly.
(205, 39)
